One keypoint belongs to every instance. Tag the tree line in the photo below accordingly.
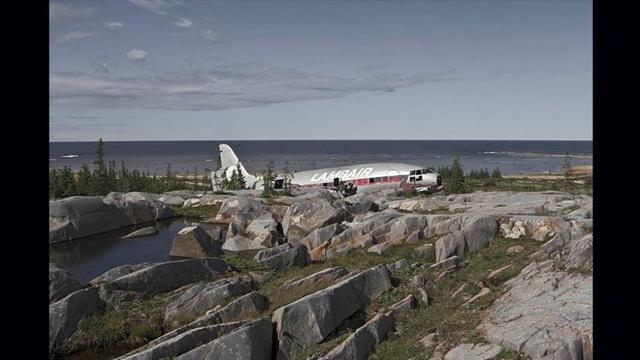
(107, 177)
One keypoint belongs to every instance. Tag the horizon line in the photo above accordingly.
(218, 140)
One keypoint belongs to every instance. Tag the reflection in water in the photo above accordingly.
(89, 257)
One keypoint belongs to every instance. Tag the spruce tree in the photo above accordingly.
(267, 178)
(84, 181)
(242, 183)
(455, 183)
(496, 174)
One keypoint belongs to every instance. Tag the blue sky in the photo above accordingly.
(225, 70)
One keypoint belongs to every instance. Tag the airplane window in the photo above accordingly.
(418, 172)
(419, 178)
(412, 172)
(412, 179)
(371, 180)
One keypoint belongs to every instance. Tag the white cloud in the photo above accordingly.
(136, 55)
(219, 88)
(160, 7)
(59, 11)
(75, 35)
(114, 25)
(208, 34)
(183, 22)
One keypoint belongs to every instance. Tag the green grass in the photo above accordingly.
(116, 331)
(522, 184)
(201, 212)
(453, 323)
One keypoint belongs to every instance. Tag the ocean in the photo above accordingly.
(513, 157)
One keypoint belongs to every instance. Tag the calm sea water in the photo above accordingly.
(511, 156)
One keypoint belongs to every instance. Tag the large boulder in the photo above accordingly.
(294, 256)
(546, 313)
(312, 318)
(265, 230)
(65, 314)
(61, 283)
(162, 277)
(319, 236)
(241, 243)
(139, 207)
(80, 216)
(172, 200)
(194, 242)
(182, 343)
(249, 342)
(304, 216)
(117, 272)
(476, 233)
(201, 297)
(245, 306)
(581, 253)
(243, 207)
(359, 344)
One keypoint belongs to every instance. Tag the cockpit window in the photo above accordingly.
(412, 172)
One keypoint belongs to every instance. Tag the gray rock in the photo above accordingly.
(117, 272)
(359, 344)
(276, 250)
(61, 283)
(399, 265)
(545, 313)
(204, 296)
(295, 256)
(65, 314)
(325, 275)
(241, 243)
(319, 236)
(474, 352)
(426, 251)
(243, 307)
(265, 230)
(382, 248)
(304, 216)
(446, 264)
(312, 318)
(410, 302)
(194, 242)
(249, 342)
(80, 216)
(243, 207)
(581, 253)
(449, 245)
(162, 277)
(145, 231)
(478, 232)
(182, 343)
(172, 200)
(139, 207)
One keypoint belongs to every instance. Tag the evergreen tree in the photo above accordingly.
(84, 181)
(496, 174)
(67, 182)
(455, 182)
(286, 184)
(268, 178)
(242, 183)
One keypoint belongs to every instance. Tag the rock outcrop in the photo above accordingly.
(284, 256)
(65, 314)
(546, 313)
(194, 242)
(161, 277)
(359, 344)
(311, 213)
(61, 283)
(474, 352)
(312, 318)
(252, 341)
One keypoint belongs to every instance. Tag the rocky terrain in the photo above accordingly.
(377, 275)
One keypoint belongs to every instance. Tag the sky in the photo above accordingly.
(264, 70)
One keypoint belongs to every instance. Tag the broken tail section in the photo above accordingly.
(230, 163)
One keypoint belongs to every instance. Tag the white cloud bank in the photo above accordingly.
(160, 7)
(219, 88)
(75, 35)
(114, 25)
(137, 55)
(183, 22)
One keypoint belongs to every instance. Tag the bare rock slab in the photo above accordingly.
(65, 314)
(364, 339)
(474, 352)
(312, 318)
(61, 283)
(145, 231)
(546, 313)
(250, 342)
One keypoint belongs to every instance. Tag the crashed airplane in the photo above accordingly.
(405, 175)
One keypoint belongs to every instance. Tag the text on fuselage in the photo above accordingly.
(342, 174)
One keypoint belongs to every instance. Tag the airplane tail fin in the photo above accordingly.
(230, 163)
